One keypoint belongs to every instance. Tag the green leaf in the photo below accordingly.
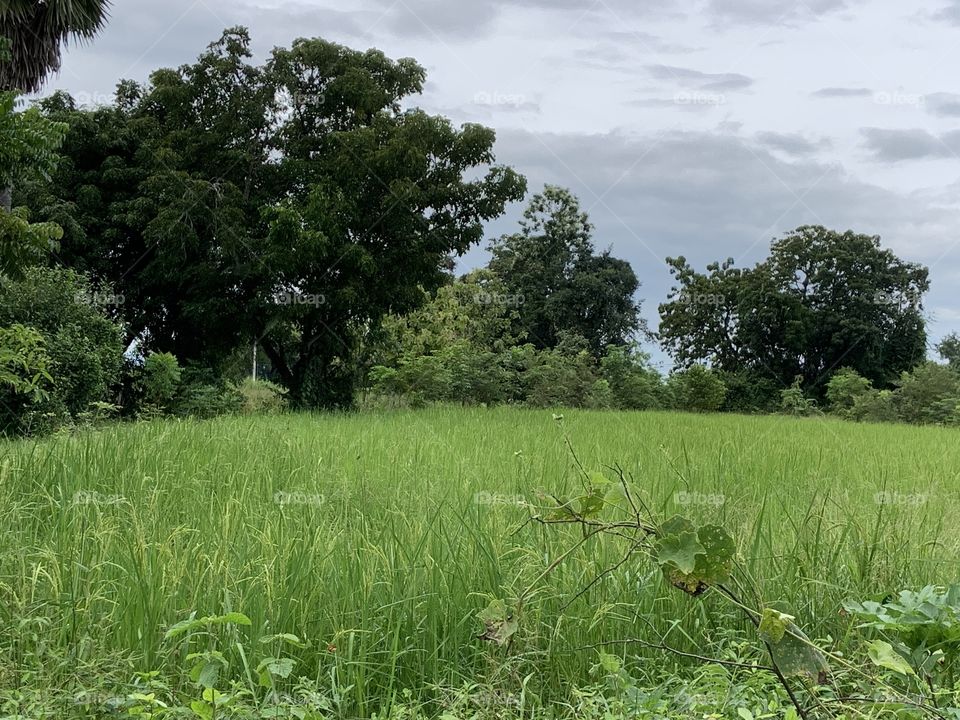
(883, 655)
(209, 674)
(499, 621)
(773, 625)
(592, 503)
(201, 709)
(680, 551)
(287, 638)
(795, 655)
(693, 558)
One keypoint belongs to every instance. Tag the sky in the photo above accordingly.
(698, 128)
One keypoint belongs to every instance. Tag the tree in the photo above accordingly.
(564, 285)
(37, 31)
(949, 350)
(31, 36)
(294, 203)
(28, 144)
(821, 300)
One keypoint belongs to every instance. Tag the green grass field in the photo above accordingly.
(378, 537)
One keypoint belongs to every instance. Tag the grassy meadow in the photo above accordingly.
(378, 538)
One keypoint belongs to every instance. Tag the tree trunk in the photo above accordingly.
(6, 198)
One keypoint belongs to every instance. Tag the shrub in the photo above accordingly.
(84, 346)
(794, 402)
(929, 395)
(749, 392)
(844, 388)
(206, 400)
(25, 378)
(261, 397)
(875, 406)
(160, 382)
(633, 384)
(697, 389)
(560, 379)
(204, 394)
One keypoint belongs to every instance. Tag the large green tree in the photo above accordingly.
(559, 283)
(32, 34)
(294, 203)
(822, 300)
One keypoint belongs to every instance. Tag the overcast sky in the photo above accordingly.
(696, 128)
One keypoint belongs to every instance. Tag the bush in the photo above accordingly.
(929, 395)
(844, 388)
(749, 392)
(84, 346)
(794, 402)
(206, 400)
(261, 397)
(697, 389)
(160, 383)
(25, 378)
(560, 378)
(203, 394)
(875, 406)
(633, 384)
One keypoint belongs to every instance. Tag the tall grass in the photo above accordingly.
(373, 535)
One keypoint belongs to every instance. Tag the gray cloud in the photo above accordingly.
(795, 144)
(437, 18)
(891, 146)
(839, 92)
(710, 195)
(765, 12)
(943, 104)
(700, 80)
(949, 12)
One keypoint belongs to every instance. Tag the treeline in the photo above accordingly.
(299, 212)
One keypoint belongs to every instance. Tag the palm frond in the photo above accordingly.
(37, 32)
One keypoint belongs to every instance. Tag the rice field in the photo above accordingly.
(378, 537)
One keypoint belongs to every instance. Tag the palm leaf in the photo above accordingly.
(37, 32)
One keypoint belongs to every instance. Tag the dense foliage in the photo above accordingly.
(292, 203)
(821, 301)
(302, 209)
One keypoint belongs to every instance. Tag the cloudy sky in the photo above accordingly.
(702, 128)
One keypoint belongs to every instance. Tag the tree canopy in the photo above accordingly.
(292, 203)
(822, 300)
(562, 285)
